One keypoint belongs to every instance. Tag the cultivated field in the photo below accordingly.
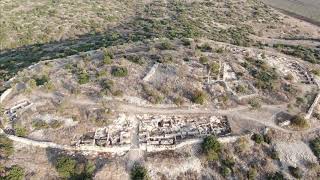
(308, 9)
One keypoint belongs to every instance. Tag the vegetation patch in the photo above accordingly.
(6, 146)
(305, 53)
(138, 172)
(119, 71)
(70, 168)
(315, 146)
(211, 147)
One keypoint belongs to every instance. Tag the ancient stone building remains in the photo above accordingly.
(18, 108)
(305, 76)
(171, 130)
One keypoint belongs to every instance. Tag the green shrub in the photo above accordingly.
(119, 71)
(316, 72)
(205, 47)
(199, 97)
(135, 59)
(107, 85)
(225, 171)
(214, 68)
(228, 161)
(258, 138)
(40, 125)
(6, 146)
(20, 131)
(178, 101)
(211, 143)
(315, 146)
(299, 121)
(252, 173)
(139, 172)
(255, 103)
(241, 89)
(83, 77)
(166, 45)
(203, 60)
(276, 176)
(186, 42)
(107, 56)
(274, 154)
(69, 168)
(66, 167)
(295, 172)
(152, 95)
(42, 80)
(15, 173)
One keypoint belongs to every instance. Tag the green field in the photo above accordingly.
(303, 9)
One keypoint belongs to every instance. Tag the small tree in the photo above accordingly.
(139, 172)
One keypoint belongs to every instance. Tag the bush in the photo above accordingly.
(258, 138)
(107, 85)
(186, 42)
(20, 131)
(276, 176)
(139, 172)
(255, 103)
(211, 147)
(107, 56)
(66, 167)
(205, 47)
(166, 45)
(315, 146)
(295, 172)
(252, 173)
(83, 77)
(225, 171)
(41, 81)
(69, 168)
(203, 60)
(15, 173)
(299, 121)
(152, 95)
(6, 146)
(199, 97)
(119, 71)
(178, 101)
(316, 72)
(135, 59)
(274, 154)
(214, 68)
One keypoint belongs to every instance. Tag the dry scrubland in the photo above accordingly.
(304, 8)
(137, 89)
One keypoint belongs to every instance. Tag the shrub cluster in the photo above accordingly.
(119, 71)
